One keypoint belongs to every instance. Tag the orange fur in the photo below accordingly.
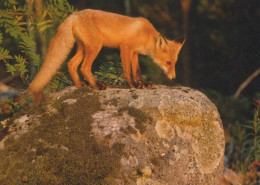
(93, 29)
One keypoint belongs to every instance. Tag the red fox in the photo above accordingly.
(92, 29)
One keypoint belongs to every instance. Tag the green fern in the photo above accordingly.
(26, 43)
(20, 25)
(4, 54)
(1, 38)
(20, 65)
(111, 72)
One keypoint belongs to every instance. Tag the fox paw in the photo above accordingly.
(149, 85)
(138, 84)
(133, 85)
(81, 84)
(141, 85)
(101, 85)
(37, 97)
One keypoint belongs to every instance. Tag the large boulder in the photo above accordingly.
(117, 136)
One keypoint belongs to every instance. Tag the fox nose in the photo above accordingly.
(171, 76)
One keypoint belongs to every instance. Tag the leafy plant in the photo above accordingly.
(243, 149)
(110, 71)
(21, 27)
(9, 106)
(252, 146)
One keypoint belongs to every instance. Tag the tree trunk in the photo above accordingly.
(185, 4)
(127, 7)
(42, 43)
(31, 33)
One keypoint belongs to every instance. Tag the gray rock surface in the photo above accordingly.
(167, 135)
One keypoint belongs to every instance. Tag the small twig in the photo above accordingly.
(67, 82)
(246, 82)
(10, 93)
(4, 87)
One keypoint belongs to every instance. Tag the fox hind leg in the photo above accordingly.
(74, 63)
(91, 53)
(91, 40)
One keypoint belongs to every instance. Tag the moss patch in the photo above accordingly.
(134, 96)
(61, 149)
(128, 130)
(3, 132)
(140, 117)
(156, 160)
(113, 102)
(32, 109)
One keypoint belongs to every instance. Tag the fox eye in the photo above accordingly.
(168, 62)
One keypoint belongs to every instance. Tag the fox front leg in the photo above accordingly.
(126, 63)
(137, 72)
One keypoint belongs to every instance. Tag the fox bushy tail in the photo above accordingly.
(59, 48)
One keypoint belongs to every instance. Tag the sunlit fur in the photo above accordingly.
(93, 29)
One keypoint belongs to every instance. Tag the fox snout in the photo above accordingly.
(171, 76)
(169, 71)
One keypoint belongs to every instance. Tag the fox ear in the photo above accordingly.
(161, 43)
(180, 40)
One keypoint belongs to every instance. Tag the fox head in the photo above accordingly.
(166, 54)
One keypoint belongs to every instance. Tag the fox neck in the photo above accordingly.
(151, 45)
(149, 48)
